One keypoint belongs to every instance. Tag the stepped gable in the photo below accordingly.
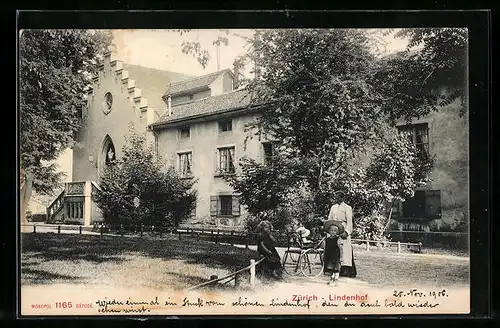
(208, 106)
(145, 92)
(193, 84)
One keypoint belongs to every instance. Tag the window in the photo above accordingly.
(425, 204)
(226, 160)
(108, 99)
(226, 125)
(224, 205)
(185, 132)
(419, 135)
(267, 148)
(185, 165)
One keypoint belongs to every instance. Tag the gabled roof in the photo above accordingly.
(208, 106)
(194, 83)
(152, 82)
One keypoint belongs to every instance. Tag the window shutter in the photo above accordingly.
(236, 206)
(433, 203)
(213, 205)
(193, 211)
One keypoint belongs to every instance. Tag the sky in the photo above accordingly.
(162, 49)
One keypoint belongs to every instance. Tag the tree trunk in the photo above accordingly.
(388, 220)
(25, 195)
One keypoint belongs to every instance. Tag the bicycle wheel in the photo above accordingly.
(291, 263)
(312, 263)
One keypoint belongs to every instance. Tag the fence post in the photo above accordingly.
(142, 230)
(100, 230)
(367, 245)
(58, 229)
(399, 247)
(80, 229)
(179, 232)
(217, 237)
(34, 228)
(237, 280)
(420, 247)
(246, 241)
(252, 272)
(232, 238)
(212, 233)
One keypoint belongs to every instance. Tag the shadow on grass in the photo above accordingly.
(100, 249)
(43, 277)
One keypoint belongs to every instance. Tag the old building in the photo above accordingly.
(197, 124)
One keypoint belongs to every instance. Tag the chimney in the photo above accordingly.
(236, 71)
(169, 104)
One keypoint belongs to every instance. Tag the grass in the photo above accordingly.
(124, 261)
(385, 269)
(129, 262)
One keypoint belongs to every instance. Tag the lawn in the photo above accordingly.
(168, 262)
(125, 261)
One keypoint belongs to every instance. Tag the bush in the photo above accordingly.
(38, 218)
(137, 190)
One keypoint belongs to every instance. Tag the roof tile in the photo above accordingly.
(211, 105)
(193, 83)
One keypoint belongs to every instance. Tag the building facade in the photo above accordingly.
(198, 126)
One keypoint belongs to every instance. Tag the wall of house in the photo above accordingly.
(96, 124)
(203, 143)
(222, 84)
(448, 144)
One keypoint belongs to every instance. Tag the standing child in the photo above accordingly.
(332, 250)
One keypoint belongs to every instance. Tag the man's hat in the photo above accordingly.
(329, 223)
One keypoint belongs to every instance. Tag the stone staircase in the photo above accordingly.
(74, 204)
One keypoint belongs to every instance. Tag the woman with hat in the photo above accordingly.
(332, 259)
(266, 247)
(343, 213)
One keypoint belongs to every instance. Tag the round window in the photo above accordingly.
(108, 102)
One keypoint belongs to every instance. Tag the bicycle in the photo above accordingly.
(305, 259)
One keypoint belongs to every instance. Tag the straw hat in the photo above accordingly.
(329, 223)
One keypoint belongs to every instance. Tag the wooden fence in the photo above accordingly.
(234, 276)
(416, 240)
(417, 247)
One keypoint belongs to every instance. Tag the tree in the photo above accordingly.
(322, 101)
(429, 74)
(55, 68)
(266, 189)
(394, 172)
(136, 190)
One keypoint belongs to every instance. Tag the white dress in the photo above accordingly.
(343, 213)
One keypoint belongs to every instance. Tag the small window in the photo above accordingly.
(185, 165)
(418, 134)
(225, 126)
(185, 132)
(226, 205)
(267, 148)
(425, 204)
(226, 160)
